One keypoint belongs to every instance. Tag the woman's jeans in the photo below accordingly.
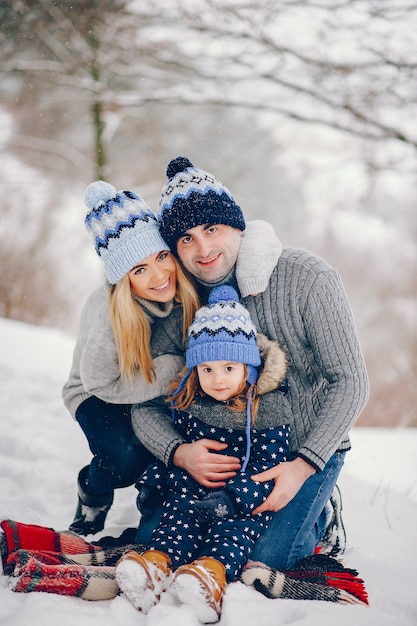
(294, 531)
(118, 456)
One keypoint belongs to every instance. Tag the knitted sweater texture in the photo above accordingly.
(95, 367)
(305, 308)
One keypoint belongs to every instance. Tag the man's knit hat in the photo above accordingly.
(223, 331)
(193, 197)
(123, 228)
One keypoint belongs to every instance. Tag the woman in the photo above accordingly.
(114, 364)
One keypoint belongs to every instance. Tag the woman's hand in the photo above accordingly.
(289, 477)
(207, 468)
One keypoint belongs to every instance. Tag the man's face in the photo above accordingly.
(209, 251)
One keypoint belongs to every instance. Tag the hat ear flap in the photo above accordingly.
(252, 376)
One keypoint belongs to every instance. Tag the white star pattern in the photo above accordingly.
(182, 534)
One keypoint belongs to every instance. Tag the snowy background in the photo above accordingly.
(305, 109)
(42, 450)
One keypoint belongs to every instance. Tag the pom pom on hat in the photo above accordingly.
(226, 293)
(123, 228)
(178, 165)
(193, 197)
(98, 193)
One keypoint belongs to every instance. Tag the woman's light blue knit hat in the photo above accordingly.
(123, 228)
(223, 331)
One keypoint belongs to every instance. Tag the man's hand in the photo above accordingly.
(209, 469)
(289, 477)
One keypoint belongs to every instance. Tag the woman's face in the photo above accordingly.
(155, 278)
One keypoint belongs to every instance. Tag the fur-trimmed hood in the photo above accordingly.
(274, 365)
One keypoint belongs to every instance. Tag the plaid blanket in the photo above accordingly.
(317, 577)
(37, 558)
(41, 559)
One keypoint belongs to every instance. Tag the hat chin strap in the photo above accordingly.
(248, 430)
(252, 377)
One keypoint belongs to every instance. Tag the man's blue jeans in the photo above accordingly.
(294, 531)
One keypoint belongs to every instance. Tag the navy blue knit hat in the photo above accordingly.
(192, 197)
(123, 228)
(223, 331)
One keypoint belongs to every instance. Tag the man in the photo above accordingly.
(299, 301)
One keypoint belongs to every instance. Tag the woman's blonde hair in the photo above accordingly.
(131, 327)
(192, 390)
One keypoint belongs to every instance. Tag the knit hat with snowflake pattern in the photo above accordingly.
(223, 331)
(193, 197)
(123, 228)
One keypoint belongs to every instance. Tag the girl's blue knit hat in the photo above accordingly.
(192, 197)
(223, 331)
(123, 228)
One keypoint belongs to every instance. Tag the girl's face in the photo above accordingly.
(221, 380)
(155, 278)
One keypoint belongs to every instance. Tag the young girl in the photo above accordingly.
(114, 365)
(207, 535)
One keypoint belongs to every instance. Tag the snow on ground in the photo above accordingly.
(42, 450)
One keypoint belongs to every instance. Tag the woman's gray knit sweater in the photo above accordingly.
(305, 308)
(95, 367)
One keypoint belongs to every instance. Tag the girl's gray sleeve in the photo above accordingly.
(152, 425)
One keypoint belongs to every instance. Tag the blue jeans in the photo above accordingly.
(118, 456)
(294, 531)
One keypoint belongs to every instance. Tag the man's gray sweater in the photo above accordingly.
(305, 308)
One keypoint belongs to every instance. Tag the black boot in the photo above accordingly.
(92, 510)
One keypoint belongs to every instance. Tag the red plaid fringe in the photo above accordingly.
(87, 582)
(317, 577)
(41, 559)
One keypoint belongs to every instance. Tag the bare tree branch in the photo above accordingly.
(55, 148)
